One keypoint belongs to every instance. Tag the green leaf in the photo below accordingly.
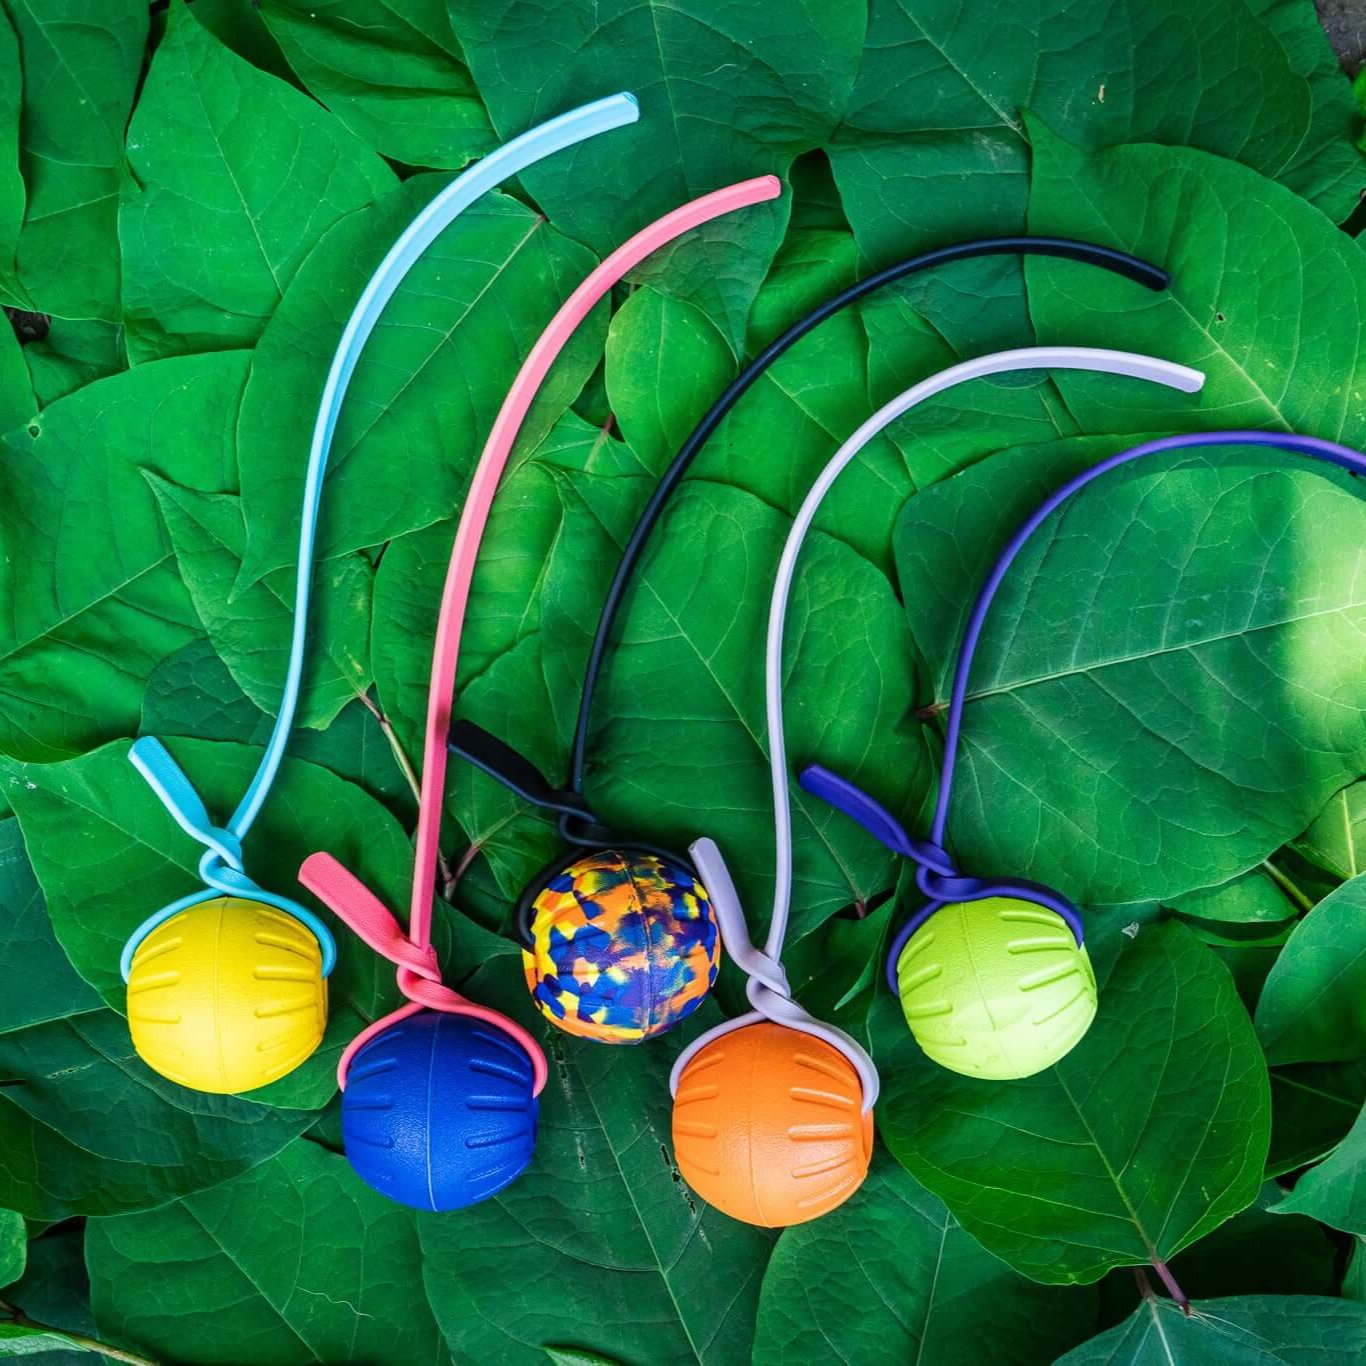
(13, 1246)
(1147, 1136)
(1336, 841)
(108, 854)
(85, 1127)
(941, 93)
(1334, 1191)
(666, 361)
(17, 402)
(1250, 899)
(237, 175)
(251, 630)
(1251, 1330)
(1141, 722)
(55, 1292)
(1313, 1105)
(82, 60)
(1260, 1253)
(90, 596)
(891, 1277)
(395, 76)
(1313, 1007)
(600, 1239)
(294, 1260)
(428, 384)
(1278, 345)
(72, 355)
(11, 180)
(726, 92)
(48, 988)
(192, 693)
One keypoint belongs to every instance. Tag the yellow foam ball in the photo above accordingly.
(226, 996)
(998, 988)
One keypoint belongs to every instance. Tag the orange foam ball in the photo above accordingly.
(768, 1126)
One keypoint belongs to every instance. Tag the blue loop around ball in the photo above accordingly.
(439, 1111)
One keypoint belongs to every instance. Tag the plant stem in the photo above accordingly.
(1287, 886)
(405, 767)
(1174, 1290)
(22, 1320)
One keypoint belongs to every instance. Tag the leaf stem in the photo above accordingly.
(1169, 1281)
(405, 767)
(1287, 886)
(22, 1320)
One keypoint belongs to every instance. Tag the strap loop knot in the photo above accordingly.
(418, 971)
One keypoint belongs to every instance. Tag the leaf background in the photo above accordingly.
(191, 196)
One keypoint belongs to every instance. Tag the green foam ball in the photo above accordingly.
(998, 989)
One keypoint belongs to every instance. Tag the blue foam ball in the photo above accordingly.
(438, 1111)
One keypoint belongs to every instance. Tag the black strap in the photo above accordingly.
(1119, 262)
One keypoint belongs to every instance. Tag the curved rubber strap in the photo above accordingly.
(767, 987)
(1124, 363)
(1314, 447)
(1088, 253)
(474, 514)
(419, 974)
(173, 788)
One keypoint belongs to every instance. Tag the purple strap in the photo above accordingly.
(937, 876)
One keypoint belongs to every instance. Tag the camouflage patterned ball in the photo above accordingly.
(624, 945)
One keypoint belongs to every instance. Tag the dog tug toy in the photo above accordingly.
(227, 986)
(1019, 944)
(799, 1144)
(618, 935)
(439, 1102)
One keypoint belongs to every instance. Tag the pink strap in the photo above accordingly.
(474, 517)
(419, 977)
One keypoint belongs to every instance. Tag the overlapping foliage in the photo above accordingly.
(1166, 721)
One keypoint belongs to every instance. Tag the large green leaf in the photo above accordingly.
(92, 599)
(295, 1260)
(726, 91)
(108, 855)
(1147, 1136)
(891, 1277)
(252, 630)
(1313, 1007)
(599, 1245)
(81, 61)
(1144, 720)
(1260, 1330)
(428, 384)
(85, 1128)
(235, 177)
(933, 146)
(394, 75)
(1266, 293)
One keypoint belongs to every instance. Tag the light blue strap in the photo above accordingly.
(222, 864)
(509, 160)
